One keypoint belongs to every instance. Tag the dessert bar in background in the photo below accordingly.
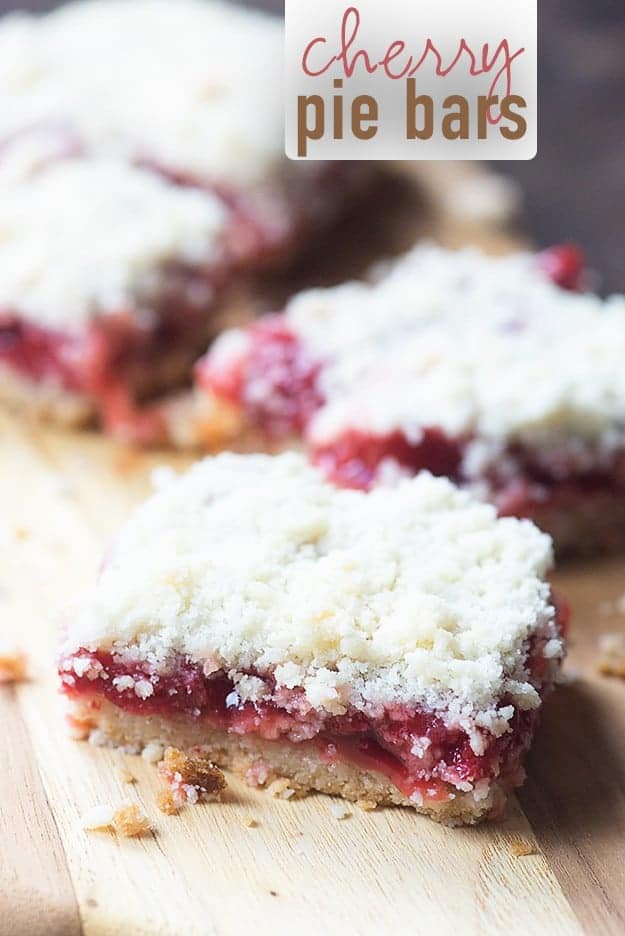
(189, 88)
(142, 179)
(495, 372)
(110, 283)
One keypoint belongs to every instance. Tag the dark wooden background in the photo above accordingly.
(575, 188)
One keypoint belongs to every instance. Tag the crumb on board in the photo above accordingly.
(13, 665)
(126, 821)
(249, 822)
(129, 821)
(21, 534)
(521, 849)
(166, 802)
(281, 788)
(125, 775)
(190, 778)
(367, 805)
(611, 660)
(153, 752)
(340, 810)
(78, 729)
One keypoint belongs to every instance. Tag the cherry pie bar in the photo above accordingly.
(392, 647)
(109, 279)
(488, 371)
(191, 89)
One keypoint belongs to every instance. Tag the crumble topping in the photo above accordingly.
(102, 232)
(456, 340)
(416, 594)
(200, 93)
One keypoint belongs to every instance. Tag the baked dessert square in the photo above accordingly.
(485, 370)
(191, 89)
(110, 283)
(393, 647)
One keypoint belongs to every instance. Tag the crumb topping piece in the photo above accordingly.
(215, 71)
(415, 594)
(103, 232)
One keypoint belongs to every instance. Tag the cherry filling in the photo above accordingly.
(38, 353)
(414, 749)
(274, 380)
(533, 487)
(564, 264)
(356, 459)
(123, 357)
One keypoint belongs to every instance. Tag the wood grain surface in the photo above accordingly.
(204, 871)
(299, 869)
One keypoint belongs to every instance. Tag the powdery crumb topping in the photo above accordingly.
(201, 92)
(126, 821)
(454, 340)
(611, 660)
(13, 666)
(414, 594)
(102, 233)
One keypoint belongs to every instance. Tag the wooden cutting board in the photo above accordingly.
(298, 869)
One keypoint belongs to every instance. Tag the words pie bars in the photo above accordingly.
(487, 371)
(393, 647)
